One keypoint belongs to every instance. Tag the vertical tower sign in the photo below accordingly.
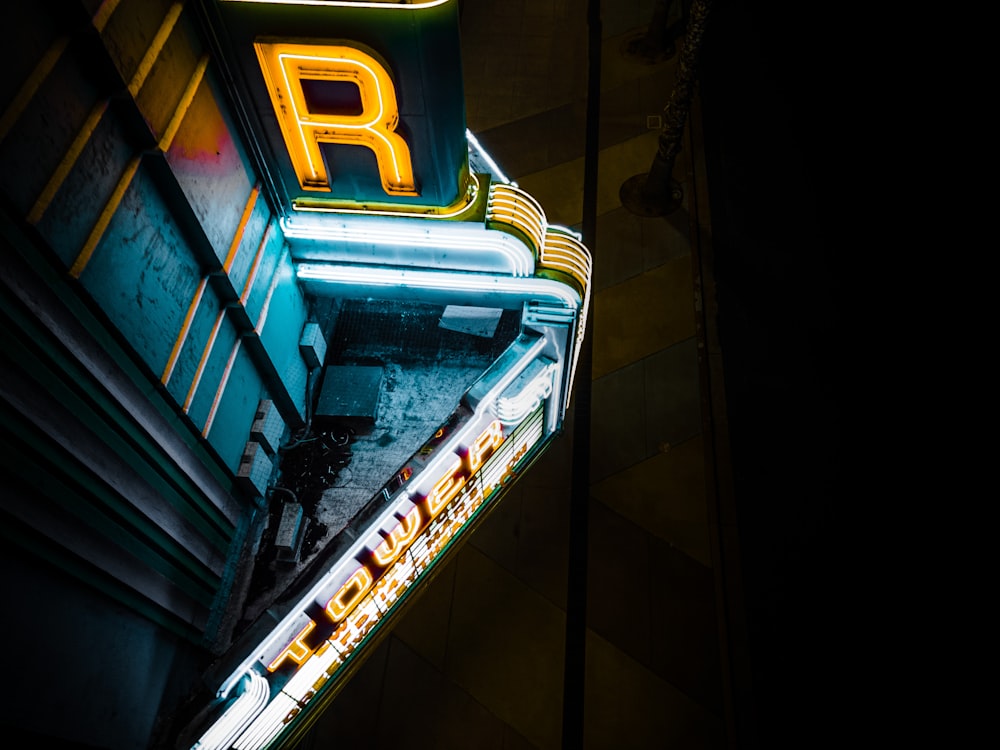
(360, 103)
(357, 111)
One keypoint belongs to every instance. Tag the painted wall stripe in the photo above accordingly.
(87, 130)
(168, 371)
(270, 292)
(182, 335)
(222, 387)
(234, 246)
(45, 66)
(105, 218)
(182, 106)
(30, 86)
(146, 64)
(255, 267)
(204, 360)
(103, 14)
(66, 164)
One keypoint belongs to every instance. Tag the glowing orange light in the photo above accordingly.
(285, 65)
(446, 488)
(488, 441)
(297, 650)
(350, 594)
(404, 533)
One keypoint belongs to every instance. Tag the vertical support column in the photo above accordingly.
(575, 665)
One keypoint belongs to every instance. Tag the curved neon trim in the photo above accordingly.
(489, 159)
(462, 205)
(438, 281)
(238, 716)
(385, 4)
(477, 240)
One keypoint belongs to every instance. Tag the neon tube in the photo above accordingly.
(237, 717)
(489, 159)
(405, 233)
(439, 281)
(384, 4)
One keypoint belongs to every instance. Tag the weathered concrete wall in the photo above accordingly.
(120, 149)
(147, 305)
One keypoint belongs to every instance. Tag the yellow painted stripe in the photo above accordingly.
(45, 66)
(234, 246)
(252, 276)
(146, 64)
(270, 293)
(30, 86)
(103, 14)
(204, 360)
(168, 371)
(105, 218)
(182, 107)
(221, 389)
(62, 170)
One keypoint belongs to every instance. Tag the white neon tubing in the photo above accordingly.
(489, 159)
(560, 229)
(267, 725)
(432, 280)
(385, 5)
(523, 196)
(478, 239)
(511, 410)
(237, 717)
(444, 452)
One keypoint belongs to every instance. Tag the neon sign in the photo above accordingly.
(386, 570)
(399, 539)
(288, 66)
(353, 234)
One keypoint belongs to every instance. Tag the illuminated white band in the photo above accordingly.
(238, 716)
(522, 398)
(464, 246)
(383, 4)
(494, 167)
(341, 571)
(468, 283)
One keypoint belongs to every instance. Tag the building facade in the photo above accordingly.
(185, 214)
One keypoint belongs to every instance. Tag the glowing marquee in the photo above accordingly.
(323, 639)
(305, 125)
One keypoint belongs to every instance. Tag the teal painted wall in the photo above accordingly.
(147, 306)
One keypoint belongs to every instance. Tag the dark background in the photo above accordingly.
(774, 84)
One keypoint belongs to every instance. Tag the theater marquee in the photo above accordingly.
(383, 194)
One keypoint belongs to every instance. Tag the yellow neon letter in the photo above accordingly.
(488, 440)
(297, 650)
(446, 488)
(404, 533)
(286, 65)
(338, 607)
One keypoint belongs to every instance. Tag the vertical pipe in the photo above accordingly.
(656, 193)
(657, 187)
(575, 663)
